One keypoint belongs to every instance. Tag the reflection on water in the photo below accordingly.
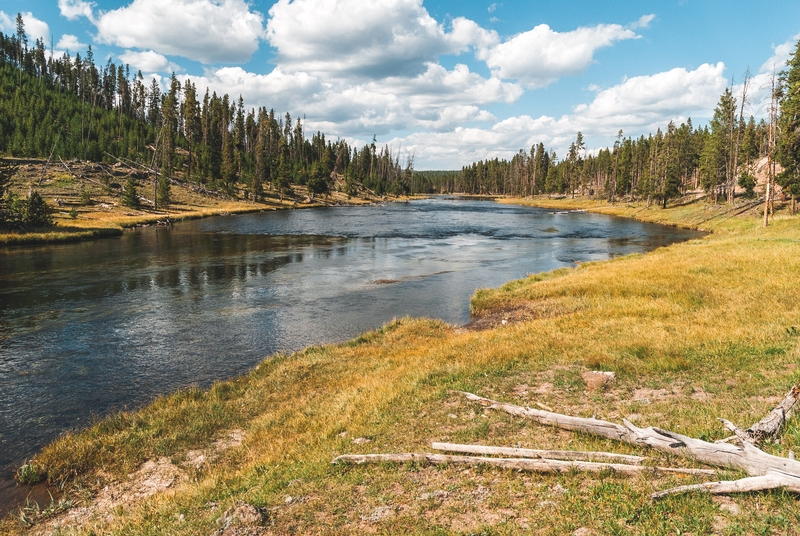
(91, 327)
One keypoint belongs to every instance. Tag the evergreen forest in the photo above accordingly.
(73, 108)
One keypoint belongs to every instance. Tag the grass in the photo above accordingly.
(694, 331)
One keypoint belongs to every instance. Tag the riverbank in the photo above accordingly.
(694, 331)
(86, 201)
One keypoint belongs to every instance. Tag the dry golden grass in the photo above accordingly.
(695, 331)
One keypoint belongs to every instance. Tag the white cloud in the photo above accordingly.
(781, 54)
(760, 88)
(643, 22)
(70, 43)
(34, 28)
(74, 9)
(149, 61)
(467, 33)
(437, 99)
(208, 31)
(492, 7)
(355, 38)
(638, 105)
(7, 25)
(540, 56)
(643, 101)
(276, 90)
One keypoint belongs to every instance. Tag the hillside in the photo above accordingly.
(87, 199)
(694, 331)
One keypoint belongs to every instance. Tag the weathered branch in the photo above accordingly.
(746, 457)
(546, 454)
(769, 481)
(519, 464)
(770, 426)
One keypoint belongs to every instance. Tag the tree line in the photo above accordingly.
(665, 165)
(72, 108)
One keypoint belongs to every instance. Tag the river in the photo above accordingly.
(104, 325)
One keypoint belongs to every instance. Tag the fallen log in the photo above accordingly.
(518, 464)
(765, 471)
(745, 457)
(771, 480)
(535, 453)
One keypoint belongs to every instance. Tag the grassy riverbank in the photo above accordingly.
(694, 331)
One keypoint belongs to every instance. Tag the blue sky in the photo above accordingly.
(449, 81)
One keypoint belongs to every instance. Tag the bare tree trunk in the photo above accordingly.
(745, 88)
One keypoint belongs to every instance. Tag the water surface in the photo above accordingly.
(109, 324)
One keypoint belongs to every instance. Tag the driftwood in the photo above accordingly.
(546, 454)
(770, 426)
(517, 464)
(769, 481)
(771, 472)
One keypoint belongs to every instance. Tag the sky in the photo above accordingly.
(449, 82)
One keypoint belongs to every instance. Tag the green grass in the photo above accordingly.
(694, 331)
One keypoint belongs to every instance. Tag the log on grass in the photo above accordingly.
(518, 464)
(536, 453)
(746, 457)
(770, 481)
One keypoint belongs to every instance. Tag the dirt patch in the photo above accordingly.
(596, 379)
(514, 314)
(242, 519)
(233, 439)
(154, 476)
(648, 396)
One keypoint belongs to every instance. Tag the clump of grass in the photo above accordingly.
(30, 473)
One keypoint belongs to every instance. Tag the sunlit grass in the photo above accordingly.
(694, 331)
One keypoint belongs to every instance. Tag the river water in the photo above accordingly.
(105, 325)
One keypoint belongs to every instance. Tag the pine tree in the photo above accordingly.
(716, 159)
(130, 197)
(38, 213)
(788, 145)
(5, 177)
(163, 192)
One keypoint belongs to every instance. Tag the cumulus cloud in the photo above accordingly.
(541, 56)
(74, 9)
(638, 105)
(355, 38)
(207, 31)
(651, 100)
(438, 99)
(780, 55)
(759, 91)
(149, 61)
(276, 90)
(70, 43)
(467, 33)
(7, 25)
